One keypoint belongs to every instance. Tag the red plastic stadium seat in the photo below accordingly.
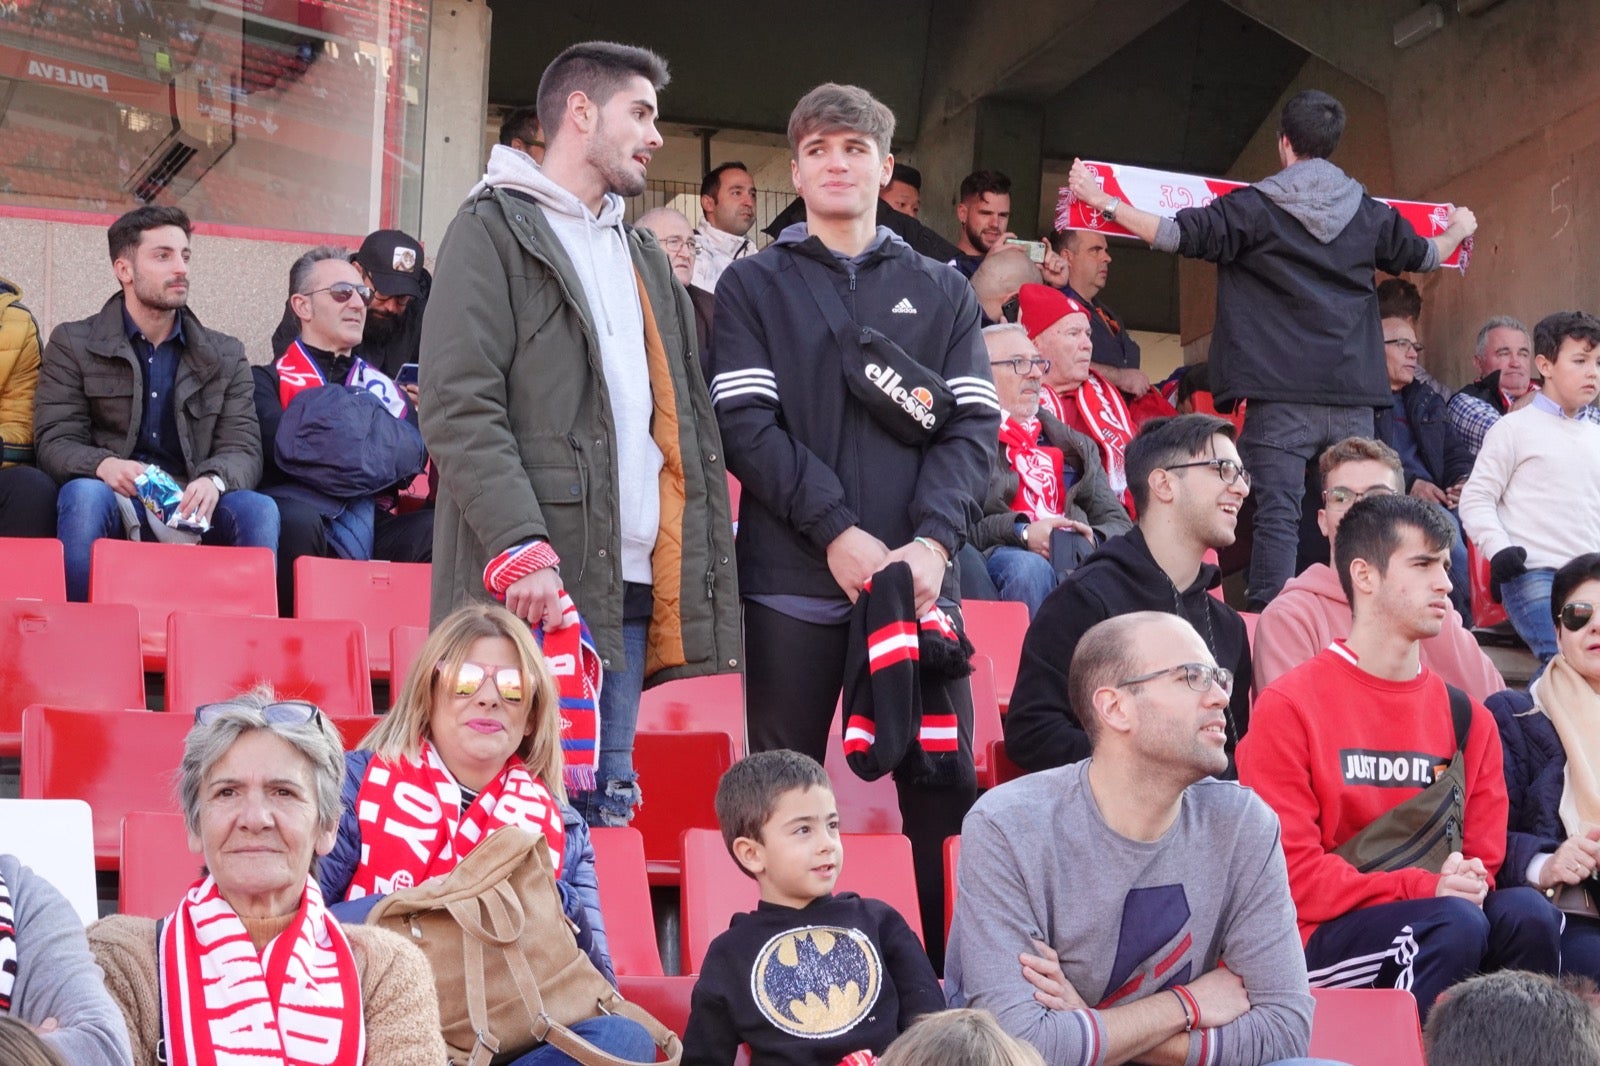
(986, 727)
(404, 643)
(159, 579)
(157, 865)
(1001, 768)
(733, 496)
(1366, 1027)
(116, 761)
(80, 654)
(32, 568)
(678, 775)
(996, 629)
(877, 865)
(666, 998)
(214, 657)
(380, 595)
(952, 864)
(711, 704)
(864, 806)
(625, 901)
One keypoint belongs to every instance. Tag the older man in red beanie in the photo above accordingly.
(1074, 392)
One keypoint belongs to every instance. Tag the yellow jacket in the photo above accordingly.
(19, 376)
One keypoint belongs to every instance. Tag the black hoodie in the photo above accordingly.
(1042, 731)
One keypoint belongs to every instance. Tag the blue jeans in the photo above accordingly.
(1278, 442)
(615, 1035)
(86, 510)
(1527, 603)
(1021, 575)
(618, 794)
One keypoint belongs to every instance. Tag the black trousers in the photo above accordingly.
(27, 502)
(794, 672)
(406, 538)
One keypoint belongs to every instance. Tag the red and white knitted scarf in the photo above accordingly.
(295, 1003)
(1038, 468)
(413, 828)
(1105, 413)
(8, 948)
(297, 371)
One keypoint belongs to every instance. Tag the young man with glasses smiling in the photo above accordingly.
(1154, 874)
(1312, 609)
(1364, 730)
(1188, 486)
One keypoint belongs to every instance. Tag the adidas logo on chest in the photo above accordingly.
(904, 307)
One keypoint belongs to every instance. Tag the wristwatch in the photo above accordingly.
(216, 479)
(1110, 210)
(1022, 533)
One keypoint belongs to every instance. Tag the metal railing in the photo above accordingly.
(684, 196)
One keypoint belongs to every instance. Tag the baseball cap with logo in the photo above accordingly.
(1043, 306)
(393, 260)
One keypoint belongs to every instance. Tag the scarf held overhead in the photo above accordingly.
(1161, 192)
(297, 1002)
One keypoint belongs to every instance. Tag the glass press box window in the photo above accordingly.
(300, 115)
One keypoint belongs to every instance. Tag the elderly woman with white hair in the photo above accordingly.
(250, 962)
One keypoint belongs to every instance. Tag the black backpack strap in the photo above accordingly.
(1460, 715)
(845, 330)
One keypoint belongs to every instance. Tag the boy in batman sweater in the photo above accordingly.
(808, 977)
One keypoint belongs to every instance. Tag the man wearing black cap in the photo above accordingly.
(390, 263)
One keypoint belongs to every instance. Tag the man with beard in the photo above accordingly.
(566, 413)
(390, 263)
(984, 212)
(728, 201)
(143, 384)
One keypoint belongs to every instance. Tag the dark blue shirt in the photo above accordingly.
(158, 441)
(1405, 442)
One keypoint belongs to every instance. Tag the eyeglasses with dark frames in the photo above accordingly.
(1406, 344)
(1020, 365)
(1340, 496)
(1228, 470)
(1198, 676)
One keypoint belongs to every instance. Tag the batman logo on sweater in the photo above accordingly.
(816, 981)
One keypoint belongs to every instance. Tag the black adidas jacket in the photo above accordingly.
(811, 460)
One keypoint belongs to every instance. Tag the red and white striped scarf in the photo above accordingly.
(1038, 469)
(295, 1003)
(297, 371)
(413, 828)
(8, 948)
(1103, 410)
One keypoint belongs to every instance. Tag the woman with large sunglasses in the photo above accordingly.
(1551, 738)
(473, 743)
(250, 966)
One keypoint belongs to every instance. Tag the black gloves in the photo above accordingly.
(1508, 564)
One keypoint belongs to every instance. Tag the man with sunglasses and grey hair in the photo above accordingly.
(328, 488)
(1108, 945)
(1312, 610)
(1187, 485)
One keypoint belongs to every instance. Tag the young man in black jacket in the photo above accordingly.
(832, 492)
(1188, 486)
(1297, 311)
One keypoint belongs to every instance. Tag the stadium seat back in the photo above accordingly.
(996, 629)
(864, 806)
(157, 865)
(404, 644)
(952, 867)
(678, 775)
(32, 568)
(116, 761)
(159, 579)
(1366, 1027)
(73, 654)
(710, 704)
(379, 595)
(625, 901)
(55, 839)
(214, 657)
(986, 727)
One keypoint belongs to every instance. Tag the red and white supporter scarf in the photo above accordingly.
(1161, 192)
(295, 1003)
(1103, 410)
(1038, 468)
(413, 828)
(297, 371)
(8, 948)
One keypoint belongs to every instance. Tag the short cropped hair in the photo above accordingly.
(711, 184)
(1371, 532)
(1398, 298)
(959, 1037)
(1497, 322)
(909, 175)
(1314, 122)
(598, 69)
(980, 182)
(1358, 450)
(520, 124)
(1584, 568)
(749, 792)
(1104, 656)
(1164, 441)
(1553, 329)
(300, 269)
(125, 233)
(1511, 1016)
(831, 108)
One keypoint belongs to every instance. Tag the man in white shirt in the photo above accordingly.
(728, 199)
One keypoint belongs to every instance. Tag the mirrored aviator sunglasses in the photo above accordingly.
(1574, 616)
(280, 712)
(507, 680)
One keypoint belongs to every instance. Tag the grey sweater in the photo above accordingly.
(57, 977)
(1127, 918)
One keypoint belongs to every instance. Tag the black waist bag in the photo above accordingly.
(910, 401)
(1421, 832)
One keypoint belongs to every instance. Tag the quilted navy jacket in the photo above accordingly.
(1534, 764)
(580, 889)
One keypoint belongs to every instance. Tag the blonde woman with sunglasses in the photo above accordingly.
(473, 743)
